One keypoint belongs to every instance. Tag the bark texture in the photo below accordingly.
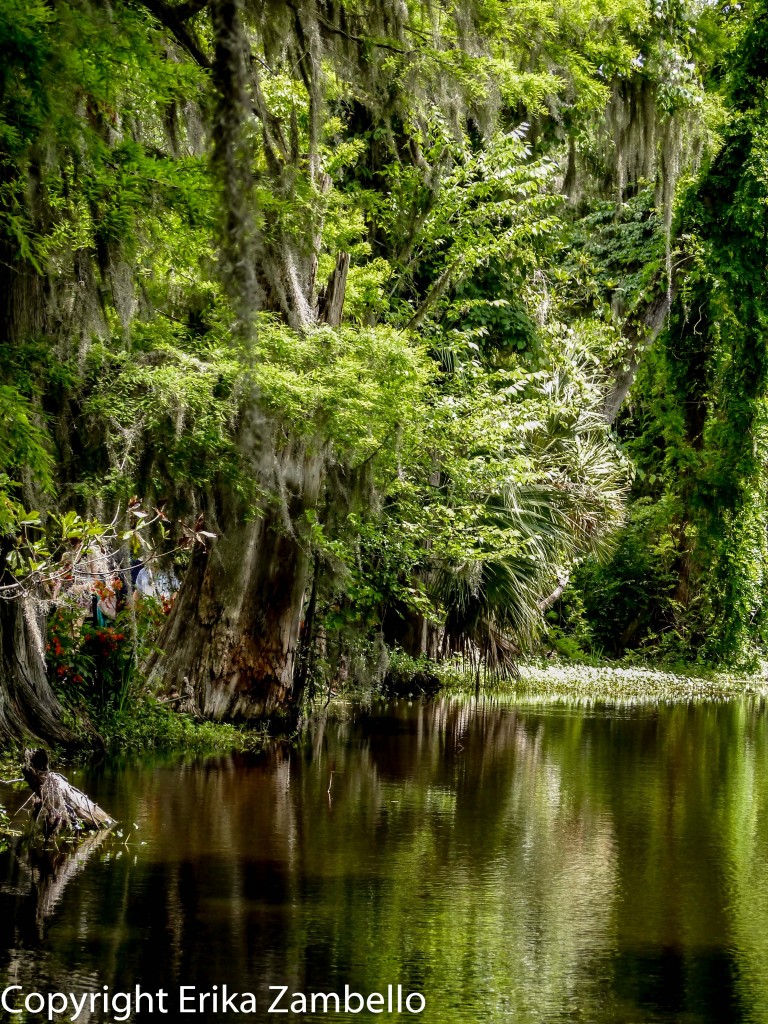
(28, 705)
(57, 805)
(331, 302)
(235, 627)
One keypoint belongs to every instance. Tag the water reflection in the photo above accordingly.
(542, 864)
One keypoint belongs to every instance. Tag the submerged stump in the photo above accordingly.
(57, 805)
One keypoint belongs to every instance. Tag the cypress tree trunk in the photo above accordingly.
(28, 705)
(234, 630)
(234, 633)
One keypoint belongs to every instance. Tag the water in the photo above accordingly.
(512, 864)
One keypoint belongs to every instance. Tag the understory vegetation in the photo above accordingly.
(334, 335)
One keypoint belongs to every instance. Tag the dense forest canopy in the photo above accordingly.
(433, 328)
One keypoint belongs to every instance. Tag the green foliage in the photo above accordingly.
(93, 665)
(185, 212)
(24, 447)
(94, 671)
(631, 600)
(349, 387)
(618, 251)
(145, 724)
(701, 443)
(563, 505)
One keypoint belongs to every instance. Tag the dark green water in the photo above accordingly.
(522, 865)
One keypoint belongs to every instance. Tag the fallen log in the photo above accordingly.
(57, 805)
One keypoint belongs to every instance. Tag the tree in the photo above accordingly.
(61, 254)
(328, 112)
(28, 705)
(712, 368)
(235, 628)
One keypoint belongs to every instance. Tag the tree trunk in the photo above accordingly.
(28, 705)
(233, 633)
(641, 331)
(546, 602)
(331, 301)
(642, 327)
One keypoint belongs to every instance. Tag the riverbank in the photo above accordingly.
(544, 681)
(588, 684)
(145, 725)
(150, 725)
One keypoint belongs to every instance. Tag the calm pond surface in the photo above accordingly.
(517, 864)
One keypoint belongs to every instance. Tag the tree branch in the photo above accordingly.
(173, 20)
(445, 279)
(546, 602)
(642, 328)
(641, 331)
(189, 9)
(364, 40)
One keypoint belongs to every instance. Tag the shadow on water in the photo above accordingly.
(511, 863)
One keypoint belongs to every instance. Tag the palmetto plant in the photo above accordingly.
(571, 508)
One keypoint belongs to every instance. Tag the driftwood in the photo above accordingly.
(57, 806)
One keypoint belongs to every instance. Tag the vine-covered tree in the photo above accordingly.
(696, 546)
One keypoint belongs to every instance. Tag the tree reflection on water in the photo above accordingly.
(526, 864)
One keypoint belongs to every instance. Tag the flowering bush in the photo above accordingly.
(66, 657)
(95, 662)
